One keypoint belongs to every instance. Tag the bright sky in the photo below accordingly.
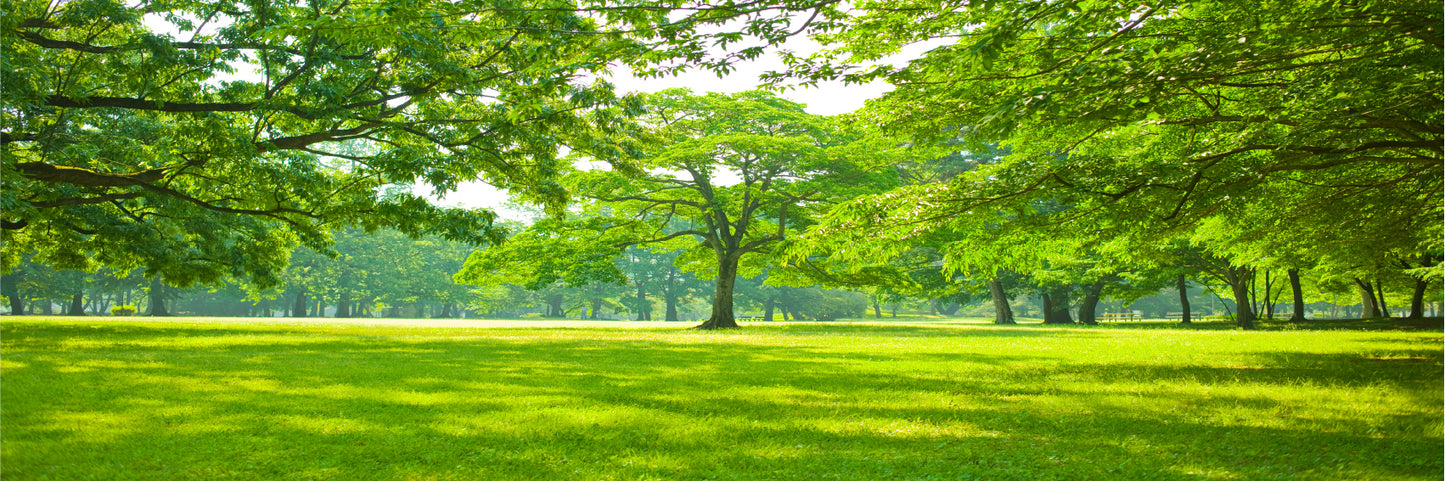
(826, 99)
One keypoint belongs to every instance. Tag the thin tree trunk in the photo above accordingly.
(877, 310)
(1002, 313)
(722, 299)
(1299, 297)
(1380, 291)
(1182, 285)
(1268, 301)
(642, 304)
(596, 306)
(1048, 307)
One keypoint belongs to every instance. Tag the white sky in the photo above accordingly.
(828, 98)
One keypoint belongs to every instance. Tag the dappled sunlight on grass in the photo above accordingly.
(163, 400)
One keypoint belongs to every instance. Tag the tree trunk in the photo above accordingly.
(768, 309)
(877, 310)
(77, 305)
(1091, 304)
(643, 311)
(1268, 300)
(1299, 297)
(554, 306)
(12, 293)
(1048, 305)
(343, 304)
(1368, 309)
(1417, 299)
(596, 306)
(299, 308)
(1056, 308)
(1239, 278)
(158, 298)
(46, 306)
(1182, 285)
(722, 299)
(1380, 291)
(1002, 313)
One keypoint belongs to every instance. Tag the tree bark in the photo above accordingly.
(1239, 278)
(1056, 308)
(1417, 299)
(12, 293)
(1268, 300)
(1380, 291)
(644, 313)
(554, 306)
(158, 298)
(669, 295)
(722, 299)
(1368, 309)
(343, 304)
(298, 309)
(1299, 297)
(596, 306)
(1182, 285)
(877, 310)
(77, 305)
(1091, 304)
(1002, 313)
(768, 309)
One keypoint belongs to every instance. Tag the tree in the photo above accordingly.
(1187, 105)
(233, 130)
(735, 172)
(1143, 121)
(551, 257)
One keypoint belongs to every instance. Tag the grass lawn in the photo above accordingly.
(113, 399)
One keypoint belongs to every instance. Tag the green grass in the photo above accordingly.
(134, 399)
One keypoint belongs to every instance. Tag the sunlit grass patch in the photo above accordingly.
(87, 399)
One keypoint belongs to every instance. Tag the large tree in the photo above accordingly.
(230, 130)
(737, 174)
(1142, 120)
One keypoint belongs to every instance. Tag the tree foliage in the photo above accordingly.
(202, 139)
(1129, 123)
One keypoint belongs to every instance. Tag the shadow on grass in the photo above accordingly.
(165, 403)
(1377, 324)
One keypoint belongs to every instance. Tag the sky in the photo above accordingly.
(828, 98)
